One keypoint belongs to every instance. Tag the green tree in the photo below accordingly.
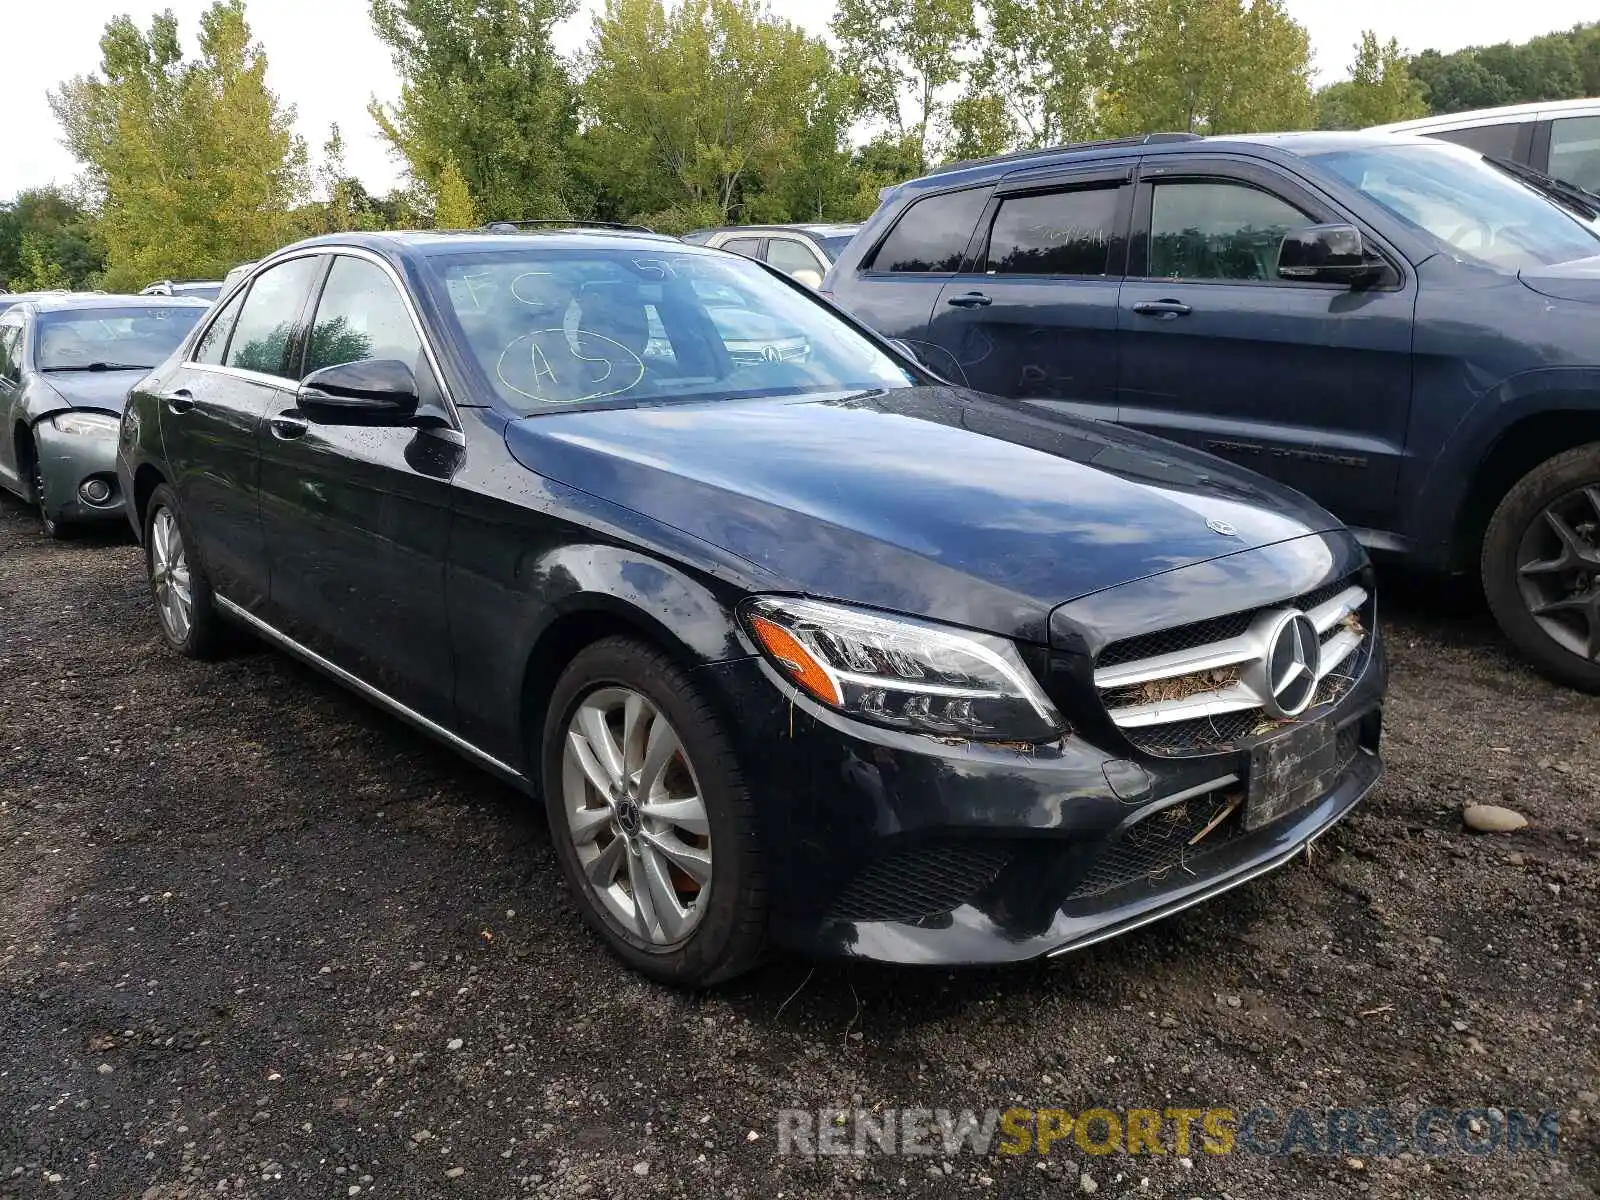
(58, 228)
(453, 207)
(689, 109)
(481, 85)
(1047, 62)
(1380, 88)
(348, 205)
(1556, 66)
(194, 165)
(906, 55)
(1210, 66)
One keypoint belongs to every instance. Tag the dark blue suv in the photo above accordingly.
(1400, 328)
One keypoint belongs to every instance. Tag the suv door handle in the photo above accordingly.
(1162, 310)
(180, 401)
(970, 300)
(287, 426)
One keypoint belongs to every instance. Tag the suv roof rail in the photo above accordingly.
(1141, 139)
(554, 223)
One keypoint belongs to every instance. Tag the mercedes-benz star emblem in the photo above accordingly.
(628, 817)
(1221, 527)
(1294, 657)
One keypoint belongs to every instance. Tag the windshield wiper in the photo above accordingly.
(1569, 195)
(101, 366)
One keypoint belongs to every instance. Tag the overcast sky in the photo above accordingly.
(324, 59)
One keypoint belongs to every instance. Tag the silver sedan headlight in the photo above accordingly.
(85, 424)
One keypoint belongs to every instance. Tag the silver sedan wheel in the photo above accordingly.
(636, 816)
(169, 575)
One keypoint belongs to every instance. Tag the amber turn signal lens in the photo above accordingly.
(795, 659)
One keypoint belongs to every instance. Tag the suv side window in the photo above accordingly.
(789, 256)
(931, 235)
(361, 315)
(1217, 230)
(1498, 141)
(749, 247)
(265, 327)
(1575, 151)
(1054, 233)
(215, 339)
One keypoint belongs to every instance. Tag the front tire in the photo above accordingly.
(185, 606)
(650, 818)
(56, 531)
(1541, 566)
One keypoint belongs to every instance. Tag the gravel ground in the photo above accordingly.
(258, 940)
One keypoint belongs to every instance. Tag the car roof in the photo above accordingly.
(818, 228)
(1490, 116)
(101, 300)
(985, 170)
(428, 242)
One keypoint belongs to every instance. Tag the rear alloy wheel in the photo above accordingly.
(1541, 566)
(185, 610)
(650, 818)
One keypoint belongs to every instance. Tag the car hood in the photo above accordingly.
(1575, 280)
(929, 501)
(103, 390)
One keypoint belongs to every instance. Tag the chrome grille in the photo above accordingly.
(1200, 688)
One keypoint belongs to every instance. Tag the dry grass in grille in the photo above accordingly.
(1178, 687)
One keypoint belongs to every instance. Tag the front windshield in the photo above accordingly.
(116, 338)
(1479, 212)
(554, 328)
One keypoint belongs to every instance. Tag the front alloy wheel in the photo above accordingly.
(650, 819)
(636, 816)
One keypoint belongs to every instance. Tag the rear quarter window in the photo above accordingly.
(931, 235)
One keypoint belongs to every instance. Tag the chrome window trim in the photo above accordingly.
(356, 683)
(318, 251)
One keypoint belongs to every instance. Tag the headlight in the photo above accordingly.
(84, 424)
(904, 673)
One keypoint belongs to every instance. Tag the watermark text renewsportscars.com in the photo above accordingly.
(1261, 1130)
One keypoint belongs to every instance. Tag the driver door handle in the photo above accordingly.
(1162, 310)
(287, 426)
(179, 401)
(970, 300)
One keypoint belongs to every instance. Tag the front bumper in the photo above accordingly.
(67, 461)
(904, 849)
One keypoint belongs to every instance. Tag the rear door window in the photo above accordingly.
(749, 247)
(931, 236)
(1575, 151)
(266, 324)
(1054, 233)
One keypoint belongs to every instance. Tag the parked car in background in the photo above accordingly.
(1558, 137)
(811, 651)
(9, 299)
(233, 276)
(1390, 324)
(803, 252)
(201, 289)
(66, 363)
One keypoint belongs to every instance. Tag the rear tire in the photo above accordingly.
(1541, 566)
(641, 787)
(186, 610)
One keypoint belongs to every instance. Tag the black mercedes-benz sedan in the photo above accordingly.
(799, 646)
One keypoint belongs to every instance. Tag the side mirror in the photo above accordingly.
(373, 391)
(812, 279)
(1328, 254)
